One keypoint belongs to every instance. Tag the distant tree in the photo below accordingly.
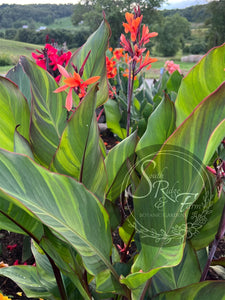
(216, 35)
(171, 34)
(90, 12)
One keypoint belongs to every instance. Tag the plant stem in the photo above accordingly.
(58, 278)
(130, 93)
(218, 237)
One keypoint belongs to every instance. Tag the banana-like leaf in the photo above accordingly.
(62, 204)
(19, 77)
(79, 151)
(116, 166)
(16, 218)
(27, 279)
(208, 232)
(45, 272)
(14, 112)
(161, 125)
(95, 65)
(21, 145)
(207, 290)
(65, 257)
(173, 278)
(48, 115)
(201, 81)
(170, 185)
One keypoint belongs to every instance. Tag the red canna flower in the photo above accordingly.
(126, 44)
(76, 83)
(49, 59)
(132, 25)
(110, 66)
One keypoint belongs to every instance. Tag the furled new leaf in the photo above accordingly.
(117, 168)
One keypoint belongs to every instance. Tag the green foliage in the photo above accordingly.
(198, 48)
(195, 14)
(216, 34)
(171, 35)
(59, 186)
(5, 60)
(18, 15)
(90, 12)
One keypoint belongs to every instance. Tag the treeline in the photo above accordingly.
(73, 39)
(14, 16)
(194, 14)
(173, 26)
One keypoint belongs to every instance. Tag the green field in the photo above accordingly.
(15, 49)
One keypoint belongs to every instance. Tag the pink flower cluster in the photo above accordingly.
(170, 66)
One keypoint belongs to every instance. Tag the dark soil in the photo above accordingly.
(11, 256)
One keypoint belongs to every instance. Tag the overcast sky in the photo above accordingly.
(53, 1)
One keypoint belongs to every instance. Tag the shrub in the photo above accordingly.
(5, 60)
(198, 48)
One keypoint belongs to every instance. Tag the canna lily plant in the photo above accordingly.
(130, 223)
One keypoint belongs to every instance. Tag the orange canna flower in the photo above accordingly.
(126, 74)
(147, 62)
(132, 25)
(146, 35)
(74, 82)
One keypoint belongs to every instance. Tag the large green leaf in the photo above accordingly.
(200, 82)
(16, 218)
(45, 271)
(48, 115)
(62, 204)
(28, 280)
(79, 151)
(207, 233)
(14, 111)
(161, 125)
(171, 183)
(173, 278)
(65, 257)
(207, 290)
(18, 76)
(95, 65)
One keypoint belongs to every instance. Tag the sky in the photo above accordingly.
(54, 1)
